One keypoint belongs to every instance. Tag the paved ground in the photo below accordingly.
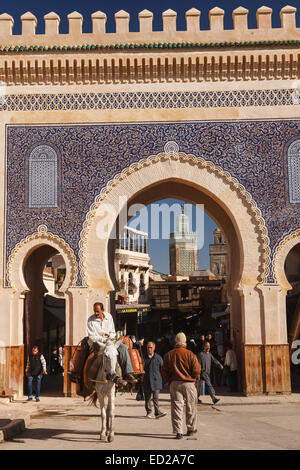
(265, 422)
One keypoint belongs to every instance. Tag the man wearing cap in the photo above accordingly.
(180, 370)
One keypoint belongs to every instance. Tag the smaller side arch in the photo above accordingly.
(280, 254)
(26, 246)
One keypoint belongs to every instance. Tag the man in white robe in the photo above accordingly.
(100, 328)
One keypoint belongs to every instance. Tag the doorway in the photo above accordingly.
(44, 314)
(292, 272)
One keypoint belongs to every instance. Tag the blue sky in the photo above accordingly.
(87, 7)
(158, 249)
(200, 223)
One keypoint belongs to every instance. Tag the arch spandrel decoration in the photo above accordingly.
(15, 276)
(238, 189)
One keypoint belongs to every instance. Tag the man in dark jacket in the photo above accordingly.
(181, 369)
(35, 368)
(205, 359)
(152, 381)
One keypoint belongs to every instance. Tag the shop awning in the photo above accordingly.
(133, 308)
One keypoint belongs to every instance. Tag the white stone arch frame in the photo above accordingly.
(280, 255)
(26, 246)
(225, 190)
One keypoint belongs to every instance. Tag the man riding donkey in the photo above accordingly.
(100, 329)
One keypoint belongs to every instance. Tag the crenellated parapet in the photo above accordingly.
(241, 53)
(216, 32)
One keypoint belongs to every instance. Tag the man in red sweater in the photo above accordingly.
(180, 370)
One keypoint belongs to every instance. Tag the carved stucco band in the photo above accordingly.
(282, 250)
(42, 236)
(240, 190)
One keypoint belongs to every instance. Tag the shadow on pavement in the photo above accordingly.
(41, 434)
(151, 436)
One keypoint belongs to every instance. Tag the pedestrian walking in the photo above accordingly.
(152, 381)
(180, 370)
(35, 369)
(140, 386)
(163, 346)
(200, 343)
(206, 359)
(231, 363)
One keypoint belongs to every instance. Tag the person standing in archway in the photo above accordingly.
(231, 363)
(35, 369)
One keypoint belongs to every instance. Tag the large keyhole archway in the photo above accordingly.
(191, 179)
(179, 190)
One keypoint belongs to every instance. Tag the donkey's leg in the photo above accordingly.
(103, 417)
(111, 414)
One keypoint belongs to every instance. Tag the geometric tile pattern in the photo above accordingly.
(91, 155)
(147, 100)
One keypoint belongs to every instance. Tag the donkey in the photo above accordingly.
(105, 389)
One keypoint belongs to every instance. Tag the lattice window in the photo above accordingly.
(43, 177)
(186, 261)
(294, 171)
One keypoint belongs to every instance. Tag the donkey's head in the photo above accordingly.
(110, 358)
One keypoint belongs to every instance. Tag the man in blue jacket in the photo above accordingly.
(152, 381)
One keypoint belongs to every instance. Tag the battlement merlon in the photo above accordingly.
(216, 33)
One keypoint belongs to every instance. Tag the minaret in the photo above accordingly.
(218, 254)
(183, 248)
